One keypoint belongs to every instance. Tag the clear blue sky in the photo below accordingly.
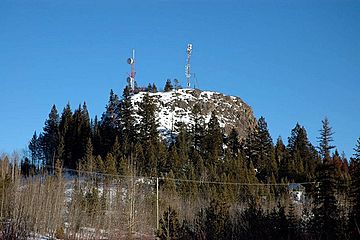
(292, 61)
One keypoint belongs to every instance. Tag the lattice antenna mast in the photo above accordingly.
(131, 77)
(187, 67)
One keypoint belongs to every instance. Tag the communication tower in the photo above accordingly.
(131, 78)
(187, 67)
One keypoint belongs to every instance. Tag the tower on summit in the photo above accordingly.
(187, 66)
(131, 77)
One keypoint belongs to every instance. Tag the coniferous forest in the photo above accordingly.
(117, 178)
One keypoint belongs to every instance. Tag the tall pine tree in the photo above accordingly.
(168, 86)
(81, 134)
(213, 140)
(197, 129)
(326, 212)
(233, 143)
(127, 121)
(110, 124)
(260, 151)
(67, 133)
(50, 138)
(302, 154)
(148, 124)
(35, 151)
(325, 140)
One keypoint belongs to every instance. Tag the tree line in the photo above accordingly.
(118, 144)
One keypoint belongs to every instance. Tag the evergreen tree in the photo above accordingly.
(281, 157)
(60, 149)
(197, 129)
(168, 86)
(110, 123)
(216, 220)
(185, 188)
(88, 161)
(25, 167)
(85, 130)
(338, 163)
(81, 135)
(148, 124)
(251, 224)
(325, 140)
(170, 227)
(162, 155)
(260, 151)
(213, 139)
(50, 138)
(116, 150)
(149, 88)
(326, 212)
(111, 115)
(121, 164)
(127, 120)
(233, 143)
(278, 223)
(95, 136)
(154, 88)
(198, 163)
(100, 166)
(302, 154)
(357, 150)
(266, 153)
(169, 185)
(67, 133)
(173, 161)
(110, 165)
(345, 166)
(151, 159)
(182, 144)
(35, 151)
(293, 222)
(139, 159)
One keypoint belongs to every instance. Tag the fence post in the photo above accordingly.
(157, 203)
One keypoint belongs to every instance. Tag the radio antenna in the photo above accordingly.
(187, 67)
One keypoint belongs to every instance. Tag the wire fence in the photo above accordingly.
(153, 178)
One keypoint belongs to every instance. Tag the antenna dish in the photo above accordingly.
(130, 60)
(189, 48)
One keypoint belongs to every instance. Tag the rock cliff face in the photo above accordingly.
(176, 107)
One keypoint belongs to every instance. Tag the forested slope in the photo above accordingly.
(180, 164)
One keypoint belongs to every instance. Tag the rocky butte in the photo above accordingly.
(176, 106)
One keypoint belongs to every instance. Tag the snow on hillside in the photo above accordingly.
(176, 106)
